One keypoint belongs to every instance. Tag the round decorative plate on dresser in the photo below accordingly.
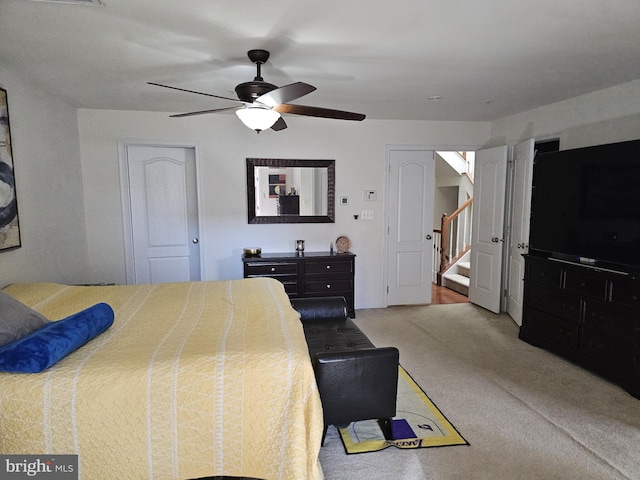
(343, 244)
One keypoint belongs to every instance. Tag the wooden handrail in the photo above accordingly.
(446, 220)
(460, 209)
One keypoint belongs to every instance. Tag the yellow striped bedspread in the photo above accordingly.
(193, 379)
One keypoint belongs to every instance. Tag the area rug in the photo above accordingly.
(418, 424)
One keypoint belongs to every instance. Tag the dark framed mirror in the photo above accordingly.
(290, 191)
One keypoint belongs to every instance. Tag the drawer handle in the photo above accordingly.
(634, 297)
(328, 286)
(328, 267)
(273, 269)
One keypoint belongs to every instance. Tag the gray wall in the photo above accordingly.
(44, 134)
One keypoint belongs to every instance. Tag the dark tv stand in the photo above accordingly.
(587, 314)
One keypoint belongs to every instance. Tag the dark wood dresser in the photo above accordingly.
(587, 314)
(309, 274)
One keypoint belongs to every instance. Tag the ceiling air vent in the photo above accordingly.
(97, 3)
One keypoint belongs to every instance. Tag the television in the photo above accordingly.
(585, 205)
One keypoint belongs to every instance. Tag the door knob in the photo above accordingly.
(494, 239)
(196, 240)
(429, 237)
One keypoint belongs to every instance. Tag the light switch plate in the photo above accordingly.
(367, 214)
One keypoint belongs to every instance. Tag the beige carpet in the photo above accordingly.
(526, 413)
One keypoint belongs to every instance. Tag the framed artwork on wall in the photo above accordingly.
(277, 185)
(9, 226)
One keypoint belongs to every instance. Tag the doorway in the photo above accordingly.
(405, 272)
(453, 197)
(410, 252)
(160, 212)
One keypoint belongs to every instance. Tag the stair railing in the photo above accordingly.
(437, 248)
(455, 237)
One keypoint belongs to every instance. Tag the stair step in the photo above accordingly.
(464, 269)
(457, 283)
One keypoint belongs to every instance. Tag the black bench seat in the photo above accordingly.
(356, 379)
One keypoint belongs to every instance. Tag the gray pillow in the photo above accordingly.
(16, 319)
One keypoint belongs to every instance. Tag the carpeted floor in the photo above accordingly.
(526, 413)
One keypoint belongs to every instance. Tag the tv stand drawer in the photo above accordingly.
(626, 294)
(554, 301)
(591, 317)
(585, 284)
(556, 330)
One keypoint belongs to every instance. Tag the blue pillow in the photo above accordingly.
(43, 347)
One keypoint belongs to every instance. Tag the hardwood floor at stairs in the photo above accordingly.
(443, 295)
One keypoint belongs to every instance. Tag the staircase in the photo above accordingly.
(451, 252)
(457, 277)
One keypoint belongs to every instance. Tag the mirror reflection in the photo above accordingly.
(290, 191)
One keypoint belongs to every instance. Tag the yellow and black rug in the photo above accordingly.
(418, 424)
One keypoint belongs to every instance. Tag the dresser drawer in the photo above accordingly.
(616, 323)
(290, 287)
(545, 274)
(327, 267)
(265, 269)
(627, 294)
(335, 286)
(314, 274)
(584, 284)
(554, 301)
(552, 328)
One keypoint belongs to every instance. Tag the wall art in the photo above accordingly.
(9, 226)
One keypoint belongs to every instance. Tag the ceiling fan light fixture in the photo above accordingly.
(257, 118)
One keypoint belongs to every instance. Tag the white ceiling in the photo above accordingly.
(486, 58)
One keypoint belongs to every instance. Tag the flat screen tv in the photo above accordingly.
(586, 205)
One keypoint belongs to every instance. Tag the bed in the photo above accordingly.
(192, 379)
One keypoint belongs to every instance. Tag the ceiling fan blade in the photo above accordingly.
(202, 112)
(318, 112)
(193, 91)
(285, 94)
(279, 125)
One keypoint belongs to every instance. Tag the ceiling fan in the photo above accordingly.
(263, 103)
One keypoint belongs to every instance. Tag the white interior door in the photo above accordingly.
(519, 238)
(410, 220)
(487, 237)
(163, 214)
